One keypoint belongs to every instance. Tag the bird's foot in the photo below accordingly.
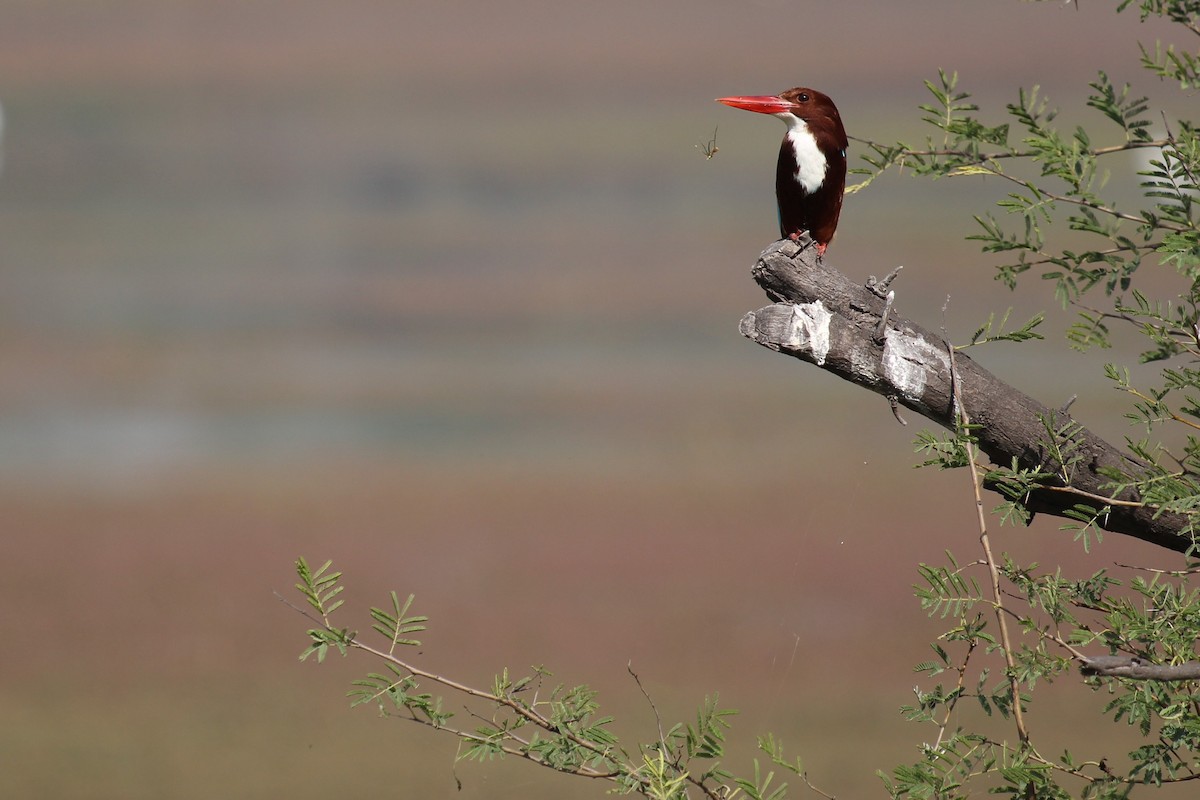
(879, 288)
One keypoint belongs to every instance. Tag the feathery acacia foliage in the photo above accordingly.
(555, 726)
(1056, 222)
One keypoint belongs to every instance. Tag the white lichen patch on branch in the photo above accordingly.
(908, 361)
(809, 330)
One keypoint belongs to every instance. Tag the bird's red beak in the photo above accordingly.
(763, 104)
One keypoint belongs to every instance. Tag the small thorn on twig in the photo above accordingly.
(894, 402)
(1066, 407)
(883, 318)
(879, 287)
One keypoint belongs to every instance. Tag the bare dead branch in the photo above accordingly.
(821, 316)
(1124, 666)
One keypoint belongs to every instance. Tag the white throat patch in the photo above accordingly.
(811, 162)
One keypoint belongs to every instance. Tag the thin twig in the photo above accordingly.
(1071, 490)
(1170, 414)
(519, 708)
(662, 737)
(1172, 573)
(998, 600)
(1044, 633)
(981, 157)
(957, 694)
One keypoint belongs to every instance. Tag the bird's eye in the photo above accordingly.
(803, 97)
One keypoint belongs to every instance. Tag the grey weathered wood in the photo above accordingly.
(1123, 666)
(822, 317)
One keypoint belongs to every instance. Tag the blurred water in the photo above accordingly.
(253, 257)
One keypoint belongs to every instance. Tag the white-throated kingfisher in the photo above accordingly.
(811, 175)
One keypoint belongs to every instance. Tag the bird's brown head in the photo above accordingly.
(810, 105)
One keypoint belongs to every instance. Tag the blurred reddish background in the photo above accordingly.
(448, 293)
